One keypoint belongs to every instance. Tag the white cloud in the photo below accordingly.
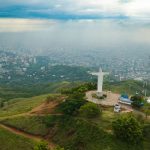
(138, 8)
(130, 8)
(21, 25)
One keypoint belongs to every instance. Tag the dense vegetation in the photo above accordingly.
(41, 146)
(54, 73)
(137, 101)
(128, 129)
(90, 110)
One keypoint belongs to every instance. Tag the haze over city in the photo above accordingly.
(74, 74)
(44, 26)
(89, 34)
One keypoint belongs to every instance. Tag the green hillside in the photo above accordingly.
(76, 133)
(10, 141)
(129, 87)
(24, 91)
(69, 128)
(23, 105)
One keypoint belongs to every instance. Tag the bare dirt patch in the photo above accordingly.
(45, 108)
(48, 107)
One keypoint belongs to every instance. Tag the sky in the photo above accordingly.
(43, 25)
(75, 9)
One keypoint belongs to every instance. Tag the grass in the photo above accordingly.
(104, 122)
(76, 133)
(30, 124)
(79, 134)
(8, 92)
(12, 141)
(22, 105)
(129, 87)
(72, 133)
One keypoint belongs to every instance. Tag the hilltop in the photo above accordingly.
(58, 119)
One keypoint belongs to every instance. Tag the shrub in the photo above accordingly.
(77, 95)
(146, 131)
(90, 110)
(128, 129)
(41, 146)
(58, 148)
(137, 101)
(86, 133)
(71, 106)
(1, 104)
(48, 99)
(80, 89)
(146, 109)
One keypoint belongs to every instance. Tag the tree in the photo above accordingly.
(137, 101)
(146, 131)
(90, 110)
(146, 109)
(80, 88)
(41, 146)
(128, 129)
(71, 106)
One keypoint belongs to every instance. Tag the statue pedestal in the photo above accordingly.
(99, 94)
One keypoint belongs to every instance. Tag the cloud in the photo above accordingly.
(44, 36)
(22, 25)
(75, 9)
(138, 9)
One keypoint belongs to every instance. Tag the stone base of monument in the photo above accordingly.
(99, 94)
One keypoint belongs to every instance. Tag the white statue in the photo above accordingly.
(100, 75)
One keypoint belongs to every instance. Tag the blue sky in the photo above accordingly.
(75, 9)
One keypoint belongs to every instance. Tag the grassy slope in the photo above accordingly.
(76, 133)
(88, 134)
(30, 124)
(17, 91)
(129, 87)
(14, 142)
(22, 105)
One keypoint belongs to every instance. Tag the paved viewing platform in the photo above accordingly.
(110, 100)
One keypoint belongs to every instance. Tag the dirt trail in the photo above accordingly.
(45, 108)
(41, 110)
(27, 135)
